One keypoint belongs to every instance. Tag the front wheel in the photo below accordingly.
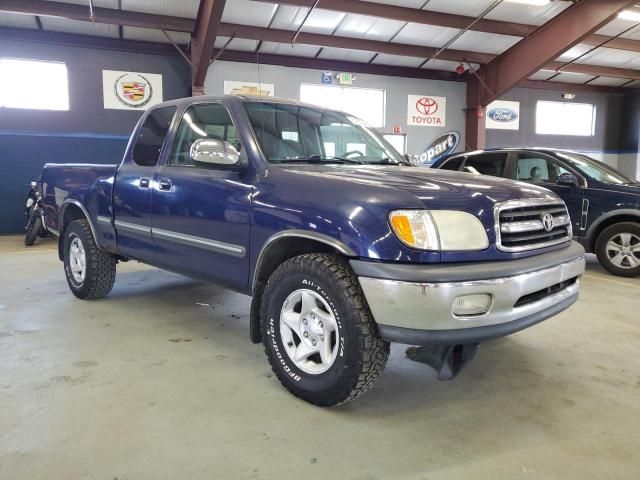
(33, 229)
(618, 249)
(90, 272)
(318, 333)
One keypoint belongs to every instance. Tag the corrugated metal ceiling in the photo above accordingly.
(260, 14)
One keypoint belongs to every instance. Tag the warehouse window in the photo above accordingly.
(33, 84)
(365, 103)
(565, 118)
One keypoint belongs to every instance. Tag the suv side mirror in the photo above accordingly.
(214, 152)
(568, 179)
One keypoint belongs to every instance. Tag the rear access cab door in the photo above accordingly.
(132, 198)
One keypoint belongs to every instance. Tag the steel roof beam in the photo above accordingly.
(545, 45)
(202, 41)
(109, 16)
(441, 19)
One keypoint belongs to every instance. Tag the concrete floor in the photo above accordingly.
(160, 381)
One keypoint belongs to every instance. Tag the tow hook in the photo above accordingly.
(446, 360)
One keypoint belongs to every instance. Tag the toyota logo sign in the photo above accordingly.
(426, 110)
(548, 222)
(426, 106)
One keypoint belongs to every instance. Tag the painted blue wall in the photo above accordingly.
(85, 133)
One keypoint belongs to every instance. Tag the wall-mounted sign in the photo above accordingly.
(426, 110)
(503, 115)
(345, 78)
(248, 88)
(131, 90)
(440, 147)
(326, 78)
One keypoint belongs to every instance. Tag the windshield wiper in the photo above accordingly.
(388, 161)
(319, 159)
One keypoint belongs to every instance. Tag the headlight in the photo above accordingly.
(445, 230)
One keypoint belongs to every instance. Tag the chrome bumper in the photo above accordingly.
(401, 306)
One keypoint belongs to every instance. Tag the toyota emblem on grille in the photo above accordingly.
(547, 222)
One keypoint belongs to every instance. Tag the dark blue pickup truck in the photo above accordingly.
(604, 204)
(342, 245)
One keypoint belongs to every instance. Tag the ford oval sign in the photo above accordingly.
(502, 114)
(441, 146)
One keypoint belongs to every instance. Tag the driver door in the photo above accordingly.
(542, 170)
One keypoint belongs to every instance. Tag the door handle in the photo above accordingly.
(164, 184)
(143, 183)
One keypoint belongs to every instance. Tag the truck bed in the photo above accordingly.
(86, 184)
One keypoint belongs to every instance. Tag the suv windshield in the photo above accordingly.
(594, 169)
(301, 134)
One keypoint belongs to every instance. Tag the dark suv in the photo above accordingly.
(603, 204)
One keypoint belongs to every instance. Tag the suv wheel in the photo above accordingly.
(618, 249)
(90, 271)
(318, 333)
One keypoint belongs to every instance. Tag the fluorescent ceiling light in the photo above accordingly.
(633, 15)
(530, 2)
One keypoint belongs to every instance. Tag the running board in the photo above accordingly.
(446, 360)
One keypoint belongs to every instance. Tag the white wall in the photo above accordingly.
(287, 82)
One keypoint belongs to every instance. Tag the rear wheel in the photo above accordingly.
(618, 249)
(90, 272)
(318, 333)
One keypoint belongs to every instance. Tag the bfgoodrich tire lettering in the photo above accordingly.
(361, 353)
(618, 249)
(99, 271)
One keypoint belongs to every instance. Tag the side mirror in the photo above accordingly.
(214, 152)
(567, 179)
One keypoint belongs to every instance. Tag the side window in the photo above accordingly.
(486, 164)
(146, 151)
(538, 169)
(210, 120)
(453, 164)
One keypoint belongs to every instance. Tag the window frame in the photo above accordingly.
(594, 113)
(168, 135)
(506, 171)
(48, 109)
(344, 88)
(176, 129)
(549, 157)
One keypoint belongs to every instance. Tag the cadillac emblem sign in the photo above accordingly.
(133, 90)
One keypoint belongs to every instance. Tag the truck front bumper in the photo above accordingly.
(414, 304)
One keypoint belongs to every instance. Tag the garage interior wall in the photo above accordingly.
(610, 143)
(287, 81)
(86, 132)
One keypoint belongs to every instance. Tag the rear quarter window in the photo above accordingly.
(452, 164)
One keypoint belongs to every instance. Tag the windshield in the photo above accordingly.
(595, 169)
(297, 134)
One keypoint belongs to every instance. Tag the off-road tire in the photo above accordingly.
(363, 355)
(601, 248)
(100, 266)
(33, 230)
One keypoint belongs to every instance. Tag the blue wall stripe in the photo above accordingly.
(103, 136)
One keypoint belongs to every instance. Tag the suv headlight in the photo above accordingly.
(443, 230)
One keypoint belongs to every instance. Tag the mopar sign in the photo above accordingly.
(502, 114)
(441, 146)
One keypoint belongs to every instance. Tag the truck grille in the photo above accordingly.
(530, 224)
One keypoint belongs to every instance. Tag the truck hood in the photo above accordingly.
(435, 188)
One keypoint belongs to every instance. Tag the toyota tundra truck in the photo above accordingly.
(343, 245)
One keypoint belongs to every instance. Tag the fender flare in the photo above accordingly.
(63, 208)
(318, 237)
(614, 213)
